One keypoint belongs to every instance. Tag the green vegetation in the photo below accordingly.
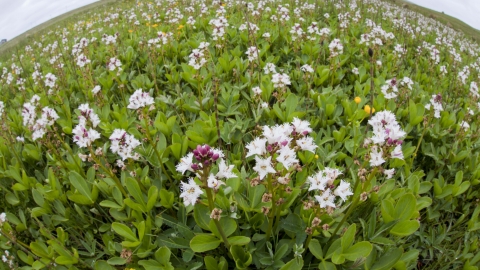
(217, 135)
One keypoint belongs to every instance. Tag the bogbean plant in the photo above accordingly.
(241, 134)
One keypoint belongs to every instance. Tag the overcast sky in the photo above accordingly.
(17, 16)
(465, 10)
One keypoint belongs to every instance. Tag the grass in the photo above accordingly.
(11, 45)
(443, 18)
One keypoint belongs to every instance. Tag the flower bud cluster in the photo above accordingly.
(123, 144)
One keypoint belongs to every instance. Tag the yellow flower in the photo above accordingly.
(316, 156)
(358, 100)
(180, 27)
(147, 24)
(367, 109)
(130, 31)
(155, 25)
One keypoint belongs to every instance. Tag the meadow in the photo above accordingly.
(274, 134)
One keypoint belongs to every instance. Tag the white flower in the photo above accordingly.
(269, 68)
(252, 53)
(20, 139)
(301, 126)
(3, 217)
(280, 80)
(139, 99)
(264, 105)
(355, 71)
(257, 91)
(465, 125)
(389, 173)
(326, 199)
(123, 144)
(343, 190)
(397, 152)
(84, 137)
(376, 156)
(256, 147)
(190, 192)
(263, 167)
(185, 163)
(317, 181)
(307, 144)
(284, 180)
(96, 89)
(2, 106)
(213, 182)
(225, 171)
(266, 35)
(287, 157)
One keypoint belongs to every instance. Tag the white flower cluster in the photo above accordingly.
(323, 181)
(252, 53)
(123, 144)
(252, 28)
(279, 141)
(436, 104)
(199, 161)
(113, 64)
(84, 133)
(8, 259)
(219, 26)
(387, 138)
(336, 47)
(139, 99)
(269, 68)
(280, 80)
(297, 32)
(82, 60)
(162, 38)
(307, 68)
(50, 80)
(29, 114)
(391, 87)
(197, 57)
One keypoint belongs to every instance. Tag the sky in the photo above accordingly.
(465, 10)
(18, 16)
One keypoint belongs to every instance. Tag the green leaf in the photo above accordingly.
(117, 261)
(228, 225)
(324, 265)
(134, 190)
(124, 231)
(347, 238)
(360, 249)
(210, 263)
(202, 216)
(204, 242)
(405, 228)
(162, 255)
(110, 204)
(316, 249)
(388, 260)
(405, 207)
(64, 260)
(238, 240)
(152, 197)
(166, 198)
(81, 185)
(293, 264)
(242, 258)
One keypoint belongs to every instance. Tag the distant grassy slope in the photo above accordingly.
(443, 18)
(9, 47)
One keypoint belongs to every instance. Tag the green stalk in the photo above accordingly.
(274, 207)
(211, 205)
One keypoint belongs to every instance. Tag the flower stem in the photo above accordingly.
(274, 207)
(217, 223)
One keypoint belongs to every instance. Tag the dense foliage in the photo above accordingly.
(233, 134)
